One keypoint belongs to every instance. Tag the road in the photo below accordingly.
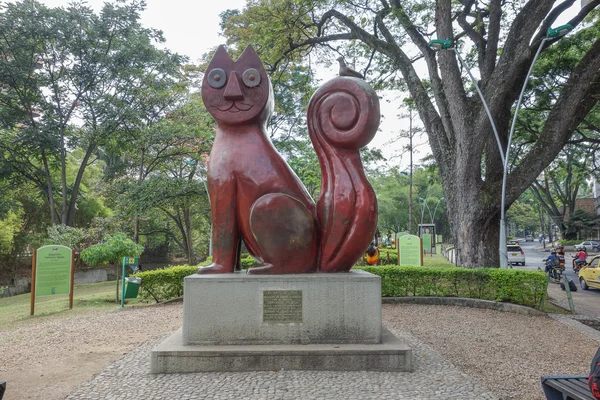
(534, 254)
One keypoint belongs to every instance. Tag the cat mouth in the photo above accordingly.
(235, 107)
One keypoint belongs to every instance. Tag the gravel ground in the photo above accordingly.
(506, 352)
(494, 352)
(48, 360)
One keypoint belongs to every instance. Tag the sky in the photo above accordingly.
(191, 28)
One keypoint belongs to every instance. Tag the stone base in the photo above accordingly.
(172, 356)
(242, 309)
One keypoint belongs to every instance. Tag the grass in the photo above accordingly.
(90, 298)
(436, 260)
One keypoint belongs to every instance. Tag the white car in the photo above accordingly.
(588, 246)
(515, 254)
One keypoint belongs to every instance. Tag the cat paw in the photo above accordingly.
(214, 269)
(263, 269)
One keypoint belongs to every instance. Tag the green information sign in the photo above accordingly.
(438, 238)
(53, 270)
(410, 251)
(426, 242)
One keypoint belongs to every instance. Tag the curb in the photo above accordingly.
(464, 302)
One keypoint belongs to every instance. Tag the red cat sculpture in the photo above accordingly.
(257, 198)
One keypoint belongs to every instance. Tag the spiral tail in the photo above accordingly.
(343, 116)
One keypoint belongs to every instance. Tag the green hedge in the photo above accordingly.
(570, 242)
(164, 284)
(509, 285)
(167, 283)
(506, 285)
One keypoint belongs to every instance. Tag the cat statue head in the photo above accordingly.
(237, 92)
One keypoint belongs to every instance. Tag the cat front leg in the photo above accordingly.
(225, 231)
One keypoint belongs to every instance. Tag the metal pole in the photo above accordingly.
(503, 254)
(435, 209)
(410, 193)
(33, 281)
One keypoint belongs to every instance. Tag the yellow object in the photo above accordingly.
(589, 276)
(373, 260)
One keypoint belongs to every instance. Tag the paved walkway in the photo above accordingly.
(434, 377)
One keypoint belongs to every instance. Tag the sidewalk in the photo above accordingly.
(585, 305)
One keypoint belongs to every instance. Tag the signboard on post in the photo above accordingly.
(52, 273)
(410, 250)
(427, 233)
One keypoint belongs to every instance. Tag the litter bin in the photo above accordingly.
(132, 287)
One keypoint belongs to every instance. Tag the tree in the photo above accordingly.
(111, 251)
(165, 171)
(560, 186)
(498, 39)
(86, 74)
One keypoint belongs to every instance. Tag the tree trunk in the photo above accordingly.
(188, 230)
(70, 210)
(49, 189)
(136, 226)
(475, 227)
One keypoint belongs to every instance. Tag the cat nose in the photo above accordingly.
(233, 91)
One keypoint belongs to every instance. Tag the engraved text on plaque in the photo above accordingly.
(282, 306)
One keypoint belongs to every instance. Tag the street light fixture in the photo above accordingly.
(552, 33)
(560, 31)
(424, 200)
(435, 209)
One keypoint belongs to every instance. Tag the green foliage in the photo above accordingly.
(66, 236)
(164, 284)
(527, 288)
(167, 283)
(112, 250)
(10, 225)
(573, 242)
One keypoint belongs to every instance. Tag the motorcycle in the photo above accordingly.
(554, 268)
(577, 266)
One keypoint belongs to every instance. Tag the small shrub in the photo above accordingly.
(505, 285)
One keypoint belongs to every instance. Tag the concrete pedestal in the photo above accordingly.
(282, 309)
(240, 322)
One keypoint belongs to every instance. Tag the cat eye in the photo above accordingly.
(251, 77)
(217, 78)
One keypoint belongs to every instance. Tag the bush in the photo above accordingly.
(246, 260)
(164, 284)
(167, 283)
(527, 288)
(569, 242)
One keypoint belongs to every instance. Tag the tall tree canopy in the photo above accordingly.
(389, 40)
(91, 77)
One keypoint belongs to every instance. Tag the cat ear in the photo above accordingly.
(221, 59)
(249, 58)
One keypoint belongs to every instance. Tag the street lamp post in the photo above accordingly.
(424, 200)
(435, 209)
(447, 45)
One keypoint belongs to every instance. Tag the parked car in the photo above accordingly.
(589, 274)
(529, 238)
(588, 246)
(515, 254)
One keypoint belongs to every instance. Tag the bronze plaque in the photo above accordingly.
(282, 306)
